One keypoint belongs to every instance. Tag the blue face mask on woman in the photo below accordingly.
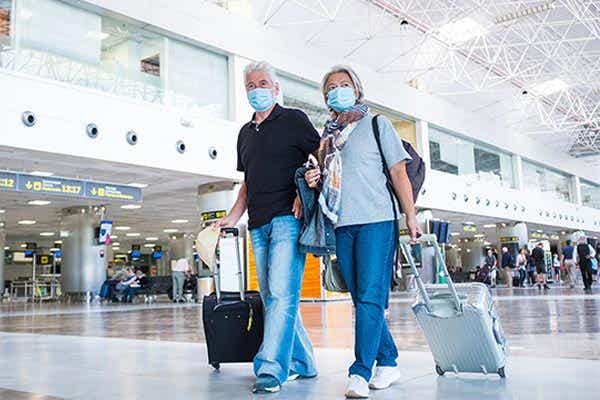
(341, 98)
(261, 99)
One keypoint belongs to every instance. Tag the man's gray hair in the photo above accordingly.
(353, 77)
(262, 66)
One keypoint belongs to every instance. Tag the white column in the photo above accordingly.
(517, 167)
(422, 130)
(2, 242)
(576, 190)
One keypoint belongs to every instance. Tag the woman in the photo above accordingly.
(522, 265)
(353, 196)
(556, 267)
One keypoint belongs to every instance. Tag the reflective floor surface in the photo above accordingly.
(156, 351)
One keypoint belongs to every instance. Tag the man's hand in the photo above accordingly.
(297, 207)
(228, 221)
(414, 230)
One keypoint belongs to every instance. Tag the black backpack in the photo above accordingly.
(414, 169)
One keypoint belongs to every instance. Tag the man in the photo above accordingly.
(491, 262)
(539, 260)
(567, 259)
(178, 271)
(585, 263)
(506, 264)
(270, 148)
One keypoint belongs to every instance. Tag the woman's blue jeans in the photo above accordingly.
(286, 346)
(365, 256)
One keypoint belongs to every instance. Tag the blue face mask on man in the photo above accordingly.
(341, 98)
(261, 99)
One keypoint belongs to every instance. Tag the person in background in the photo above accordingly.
(530, 268)
(178, 270)
(584, 256)
(123, 285)
(353, 195)
(539, 260)
(138, 283)
(556, 268)
(491, 262)
(271, 146)
(521, 265)
(568, 261)
(506, 264)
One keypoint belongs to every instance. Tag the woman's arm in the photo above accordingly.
(404, 192)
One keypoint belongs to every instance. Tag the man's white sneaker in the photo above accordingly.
(384, 377)
(358, 388)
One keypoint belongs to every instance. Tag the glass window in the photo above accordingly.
(125, 58)
(406, 128)
(305, 96)
(458, 156)
(590, 194)
(541, 179)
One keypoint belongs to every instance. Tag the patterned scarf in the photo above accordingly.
(335, 134)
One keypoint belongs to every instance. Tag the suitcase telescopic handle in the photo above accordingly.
(232, 231)
(236, 233)
(405, 242)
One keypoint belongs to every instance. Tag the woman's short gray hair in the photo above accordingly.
(262, 66)
(353, 77)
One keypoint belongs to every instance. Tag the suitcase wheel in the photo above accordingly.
(216, 365)
(441, 372)
(502, 372)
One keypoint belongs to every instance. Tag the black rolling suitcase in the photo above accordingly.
(233, 321)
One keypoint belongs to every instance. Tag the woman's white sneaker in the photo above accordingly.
(358, 388)
(384, 377)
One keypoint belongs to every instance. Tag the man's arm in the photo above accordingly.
(236, 212)
(404, 192)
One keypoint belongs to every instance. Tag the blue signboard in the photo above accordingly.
(8, 181)
(98, 190)
(68, 187)
(50, 185)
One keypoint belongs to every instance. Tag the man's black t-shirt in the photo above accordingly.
(269, 154)
(538, 256)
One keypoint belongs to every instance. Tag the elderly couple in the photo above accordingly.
(270, 148)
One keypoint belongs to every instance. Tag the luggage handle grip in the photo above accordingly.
(404, 244)
(234, 231)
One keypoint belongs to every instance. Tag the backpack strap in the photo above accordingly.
(390, 188)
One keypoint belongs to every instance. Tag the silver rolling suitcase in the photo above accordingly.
(459, 321)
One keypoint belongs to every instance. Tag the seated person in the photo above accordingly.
(122, 286)
(108, 289)
(140, 281)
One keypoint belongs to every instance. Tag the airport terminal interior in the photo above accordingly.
(118, 147)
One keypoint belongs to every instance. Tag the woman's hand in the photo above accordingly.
(313, 177)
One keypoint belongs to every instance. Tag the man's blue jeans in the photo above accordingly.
(365, 256)
(279, 267)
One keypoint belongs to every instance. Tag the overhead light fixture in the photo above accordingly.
(180, 221)
(525, 12)
(39, 202)
(114, 236)
(489, 226)
(151, 238)
(54, 249)
(479, 235)
(469, 223)
(6, 247)
(26, 222)
(2, 211)
(132, 234)
(563, 233)
(116, 248)
(96, 35)
(170, 230)
(41, 173)
(116, 243)
(47, 234)
(23, 246)
(123, 228)
(131, 206)
(138, 185)
(462, 30)
(539, 231)
(149, 245)
(548, 87)
(455, 234)
(58, 242)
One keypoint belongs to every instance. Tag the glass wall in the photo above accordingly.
(300, 94)
(458, 156)
(590, 194)
(538, 178)
(111, 55)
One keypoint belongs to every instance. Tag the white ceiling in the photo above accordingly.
(170, 195)
(487, 73)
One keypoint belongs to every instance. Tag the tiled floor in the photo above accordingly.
(156, 351)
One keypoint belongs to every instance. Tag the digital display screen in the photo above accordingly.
(156, 255)
(135, 254)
